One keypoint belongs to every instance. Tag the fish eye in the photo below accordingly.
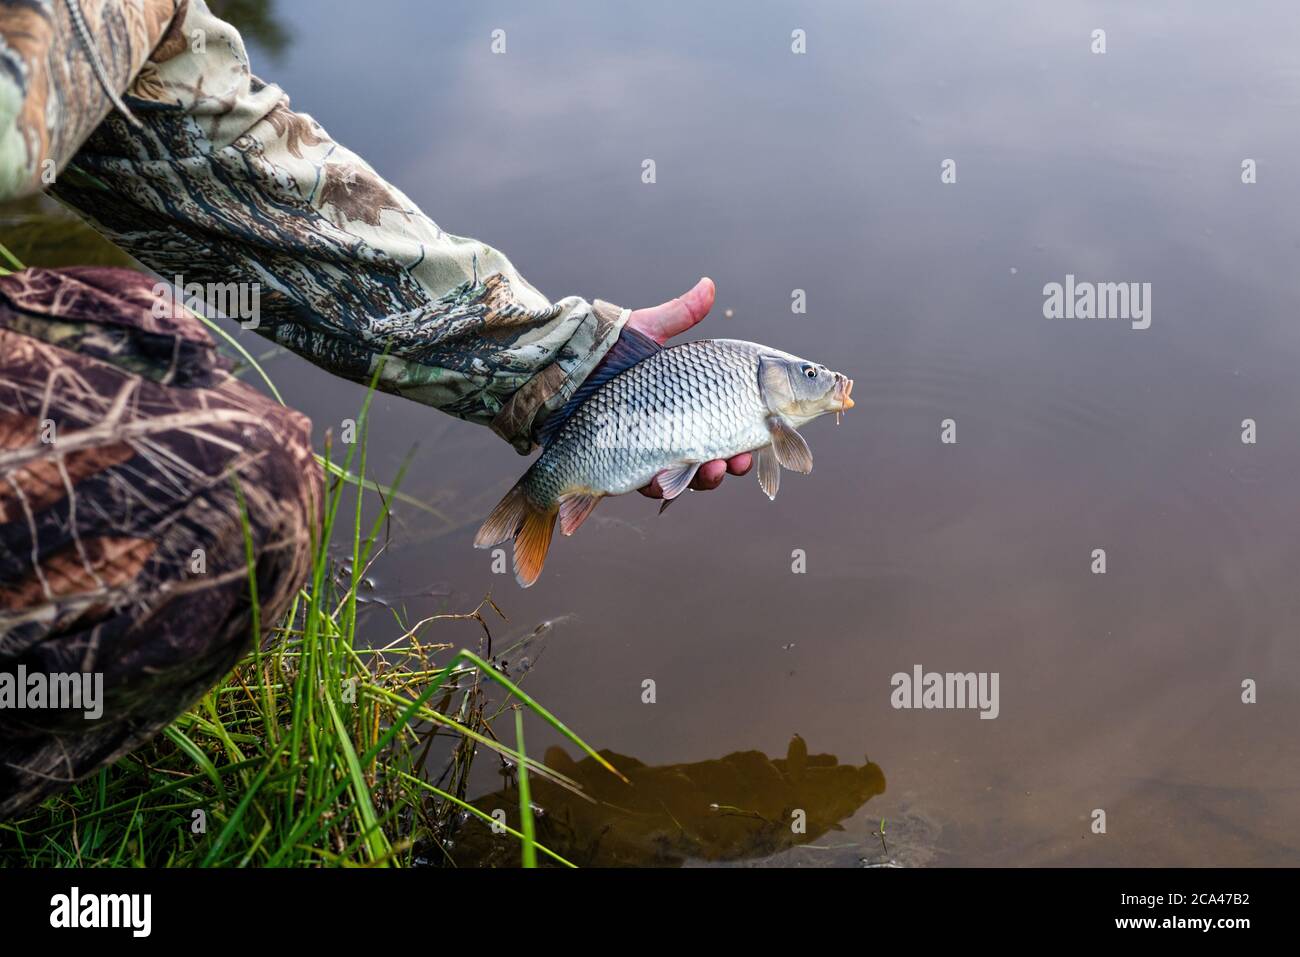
(810, 371)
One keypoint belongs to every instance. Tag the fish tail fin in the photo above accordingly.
(516, 517)
(504, 521)
(532, 543)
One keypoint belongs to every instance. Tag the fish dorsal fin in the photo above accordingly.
(630, 348)
(790, 448)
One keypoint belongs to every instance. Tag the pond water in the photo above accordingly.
(824, 172)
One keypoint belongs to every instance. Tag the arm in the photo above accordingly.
(224, 183)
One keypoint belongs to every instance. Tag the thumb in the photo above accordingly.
(674, 317)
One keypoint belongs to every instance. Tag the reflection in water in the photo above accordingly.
(42, 232)
(742, 806)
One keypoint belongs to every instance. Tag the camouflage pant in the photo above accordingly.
(123, 438)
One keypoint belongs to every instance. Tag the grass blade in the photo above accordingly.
(525, 797)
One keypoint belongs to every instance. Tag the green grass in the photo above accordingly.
(313, 750)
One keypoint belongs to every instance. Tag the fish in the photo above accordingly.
(653, 411)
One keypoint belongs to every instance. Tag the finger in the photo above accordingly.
(709, 476)
(740, 464)
(671, 318)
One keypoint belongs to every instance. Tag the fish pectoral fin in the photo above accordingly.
(574, 509)
(673, 481)
(790, 448)
(769, 471)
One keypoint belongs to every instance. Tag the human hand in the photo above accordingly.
(661, 323)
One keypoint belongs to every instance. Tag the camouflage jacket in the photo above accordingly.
(132, 468)
(223, 183)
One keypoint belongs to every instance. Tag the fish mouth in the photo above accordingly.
(845, 387)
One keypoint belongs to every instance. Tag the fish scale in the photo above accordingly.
(690, 403)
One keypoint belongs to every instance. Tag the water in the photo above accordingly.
(821, 172)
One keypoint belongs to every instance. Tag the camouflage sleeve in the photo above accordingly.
(226, 187)
(50, 96)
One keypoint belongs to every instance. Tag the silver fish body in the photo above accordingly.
(693, 402)
(662, 413)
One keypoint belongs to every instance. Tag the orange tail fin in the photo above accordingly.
(530, 527)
